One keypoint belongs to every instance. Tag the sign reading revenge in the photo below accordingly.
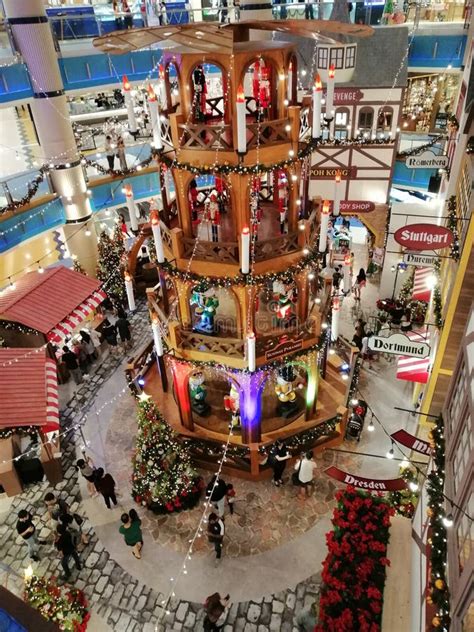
(329, 173)
(423, 237)
(418, 259)
(380, 485)
(427, 160)
(344, 96)
(287, 346)
(399, 344)
(412, 442)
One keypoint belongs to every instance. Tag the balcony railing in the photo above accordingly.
(202, 136)
(276, 246)
(268, 133)
(222, 252)
(191, 340)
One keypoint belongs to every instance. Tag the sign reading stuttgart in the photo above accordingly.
(423, 237)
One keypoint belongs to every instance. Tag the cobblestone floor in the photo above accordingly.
(126, 604)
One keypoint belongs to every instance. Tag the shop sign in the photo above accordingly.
(427, 160)
(329, 173)
(376, 484)
(399, 344)
(378, 256)
(287, 346)
(412, 442)
(423, 237)
(419, 259)
(345, 96)
(356, 206)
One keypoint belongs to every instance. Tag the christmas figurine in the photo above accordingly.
(198, 392)
(193, 200)
(200, 92)
(221, 194)
(232, 405)
(285, 391)
(284, 297)
(207, 304)
(214, 216)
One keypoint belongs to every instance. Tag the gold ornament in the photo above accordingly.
(439, 584)
(429, 600)
(429, 512)
(436, 621)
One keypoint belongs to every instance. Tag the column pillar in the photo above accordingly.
(34, 41)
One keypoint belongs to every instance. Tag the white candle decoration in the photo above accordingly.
(251, 352)
(289, 85)
(347, 274)
(337, 194)
(335, 319)
(162, 88)
(129, 290)
(158, 340)
(323, 230)
(241, 122)
(132, 210)
(127, 94)
(317, 97)
(330, 94)
(245, 250)
(155, 119)
(157, 236)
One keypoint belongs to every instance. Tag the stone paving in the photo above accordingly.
(125, 603)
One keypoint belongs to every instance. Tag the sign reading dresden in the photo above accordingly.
(399, 344)
(427, 160)
(423, 237)
(376, 484)
(419, 259)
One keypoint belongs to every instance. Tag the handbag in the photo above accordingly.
(295, 477)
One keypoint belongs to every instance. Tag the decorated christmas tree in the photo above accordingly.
(110, 264)
(163, 478)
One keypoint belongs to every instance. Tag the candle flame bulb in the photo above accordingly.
(240, 94)
(126, 83)
(338, 176)
(318, 84)
(325, 209)
(154, 217)
(332, 71)
(161, 71)
(151, 93)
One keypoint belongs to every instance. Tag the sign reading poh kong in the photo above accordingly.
(423, 237)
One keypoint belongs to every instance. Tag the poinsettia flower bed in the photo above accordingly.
(65, 605)
(353, 576)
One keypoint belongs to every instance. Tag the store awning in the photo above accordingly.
(75, 318)
(28, 389)
(421, 284)
(45, 301)
(415, 369)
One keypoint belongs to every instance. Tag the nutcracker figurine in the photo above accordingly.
(214, 216)
(193, 200)
(285, 391)
(198, 393)
(200, 92)
(232, 405)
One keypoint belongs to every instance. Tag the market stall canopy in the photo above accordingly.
(53, 303)
(422, 285)
(28, 389)
(211, 37)
(414, 369)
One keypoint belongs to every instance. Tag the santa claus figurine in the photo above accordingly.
(232, 405)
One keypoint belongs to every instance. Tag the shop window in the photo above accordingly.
(322, 57)
(341, 121)
(465, 536)
(384, 119)
(463, 450)
(350, 56)
(366, 119)
(457, 398)
(337, 57)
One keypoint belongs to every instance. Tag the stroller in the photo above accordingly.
(356, 421)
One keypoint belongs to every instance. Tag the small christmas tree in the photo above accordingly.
(78, 268)
(163, 478)
(110, 264)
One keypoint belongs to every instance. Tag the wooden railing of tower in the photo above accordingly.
(276, 246)
(222, 251)
(268, 133)
(203, 136)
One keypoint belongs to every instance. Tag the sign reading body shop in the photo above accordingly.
(399, 344)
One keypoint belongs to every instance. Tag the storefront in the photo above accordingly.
(428, 102)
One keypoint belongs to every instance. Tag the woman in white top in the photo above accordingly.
(305, 467)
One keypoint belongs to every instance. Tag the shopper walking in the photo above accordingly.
(110, 335)
(27, 530)
(215, 606)
(277, 459)
(110, 151)
(121, 153)
(59, 513)
(360, 282)
(70, 360)
(216, 491)
(89, 346)
(336, 279)
(132, 532)
(231, 497)
(304, 469)
(123, 328)
(87, 469)
(105, 485)
(65, 545)
(215, 534)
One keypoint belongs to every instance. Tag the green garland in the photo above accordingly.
(437, 302)
(438, 589)
(23, 431)
(406, 291)
(405, 501)
(452, 225)
(287, 276)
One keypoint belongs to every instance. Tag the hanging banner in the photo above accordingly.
(329, 173)
(423, 237)
(354, 206)
(412, 442)
(427, 160)
(399, 344)
(375, 484)
(419, 259)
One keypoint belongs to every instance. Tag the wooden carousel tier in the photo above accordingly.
(210, 37)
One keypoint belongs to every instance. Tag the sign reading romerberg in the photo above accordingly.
(423, 237)
(399, 344)
(419, 259)
(427, 160)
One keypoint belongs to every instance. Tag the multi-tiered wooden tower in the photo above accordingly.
(240, 312)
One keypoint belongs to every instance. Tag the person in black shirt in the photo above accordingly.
(215, 533)
(65, 545)
(70, 360)
(277, 459)
(110, 333)
(27, 530)
(217, 493)
(123, 327)
(336, 280)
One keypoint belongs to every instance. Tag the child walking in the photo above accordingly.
(230, 497)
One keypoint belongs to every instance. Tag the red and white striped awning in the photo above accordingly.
(52, 400)
(421, 284)
(415, 369)
(75, 318)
